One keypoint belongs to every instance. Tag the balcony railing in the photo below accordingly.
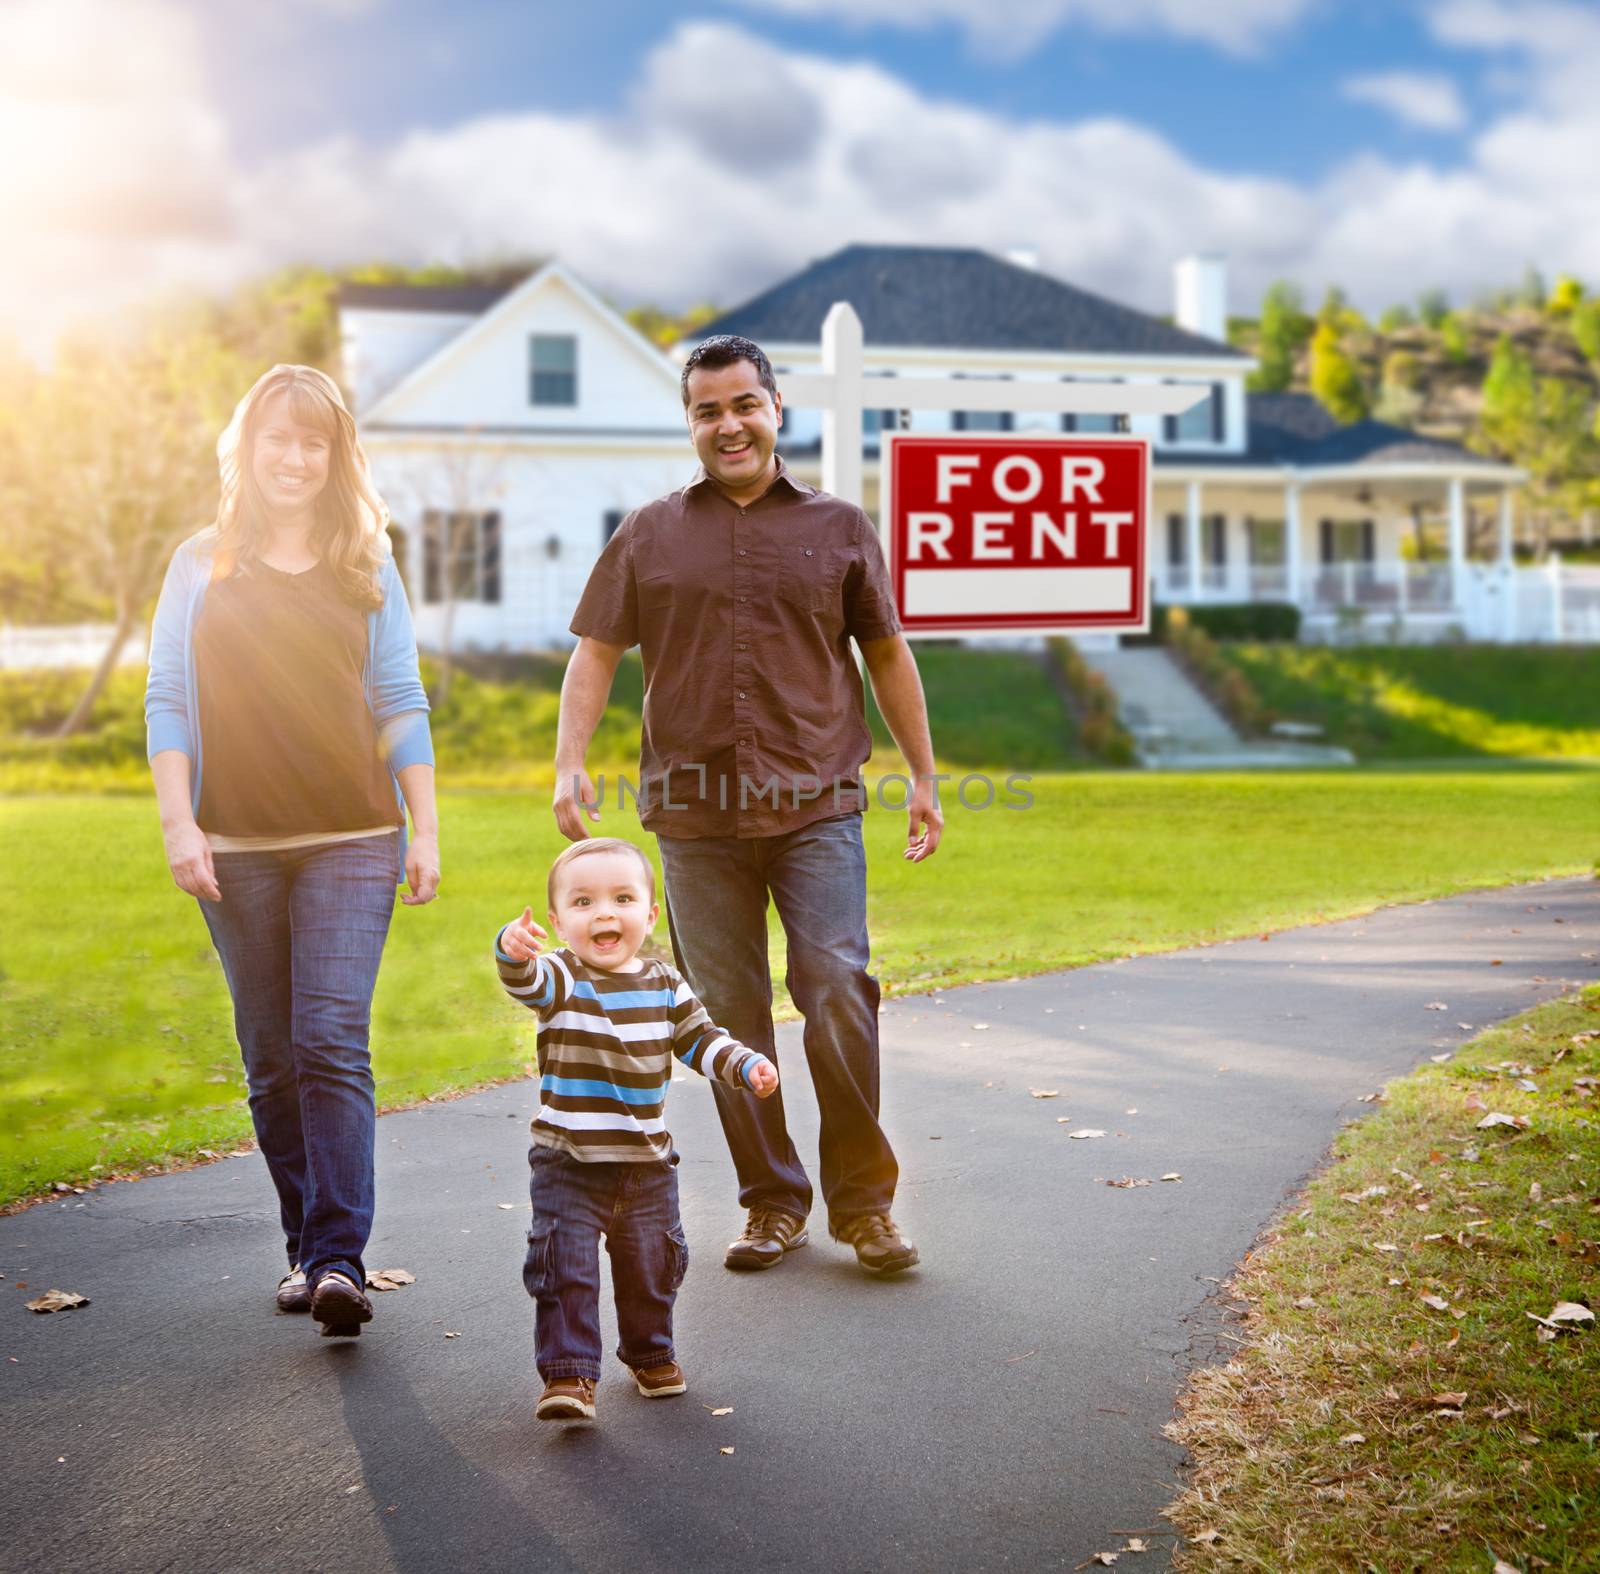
(1395, 586)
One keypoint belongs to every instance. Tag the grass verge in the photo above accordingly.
(118, 1031)
(1396, 1407)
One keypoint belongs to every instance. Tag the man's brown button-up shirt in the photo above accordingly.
(754, 718)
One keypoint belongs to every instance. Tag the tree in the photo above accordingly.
(1395, 318)
(1453, 337)
(1585, 325)
(1432, 306)
(1567, 294)
(666, 328)
(1399, 394)
(109, 462)
(1334, 378)
(1532, 293)
(1284, 328)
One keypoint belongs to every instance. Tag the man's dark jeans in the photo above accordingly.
(716, 890)
(300, 932)
(635, 1206)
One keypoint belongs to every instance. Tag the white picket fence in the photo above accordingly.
(66, 645)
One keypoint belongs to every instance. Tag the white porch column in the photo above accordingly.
(1458, 540)
(1291, 541)
(841, 416)
(1192, 550)
(1505, 527)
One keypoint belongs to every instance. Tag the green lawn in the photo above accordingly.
(1453, 1430)
(1427, 702)
(117, 1025)
(994, 708)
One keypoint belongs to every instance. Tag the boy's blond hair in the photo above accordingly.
(598, 844)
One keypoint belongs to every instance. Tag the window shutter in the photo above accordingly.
(1326, 527)
(1169, 427)
(1369, 541)
(432, 591)
(1219, 540)
(1176, 543)
(1069, 422)
(489, 558)
(1219, 416)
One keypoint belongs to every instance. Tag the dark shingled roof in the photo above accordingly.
(469, 300)
(1294, 429)
(950, 297)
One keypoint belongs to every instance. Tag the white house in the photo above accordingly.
(512, 429)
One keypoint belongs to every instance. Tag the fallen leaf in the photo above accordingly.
(1045, 1093)
(980, 1027)
(390, 1279)
(57, 1301)
(1570, 1312)
(1445, 1056)
(1305, 1303)
(1437, 1302)
(1205, 1537)
(1453, 1400)
(727, 1450)
(1436, 1005)
(1353, 1437)
(1384, 1246)
(1083, 1132)
(452, 1333)
(1126, 1182)
(1474, 1102)
(1104, 1559)
(1137, 1544)
(1500, 1118)
(723, 1410)
(1172, 1175)
(505, 1207)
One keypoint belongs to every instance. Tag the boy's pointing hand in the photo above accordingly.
(522, 939)
(763, 1078)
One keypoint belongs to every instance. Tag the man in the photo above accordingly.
(743, 592)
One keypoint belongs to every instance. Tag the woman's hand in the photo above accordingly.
(422, 869)
(189, 859)
(521, 938)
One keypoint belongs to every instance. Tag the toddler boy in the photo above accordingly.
(602, 1159)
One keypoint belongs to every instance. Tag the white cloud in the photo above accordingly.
(1008, 29)
(129, 187)
(1417, 98)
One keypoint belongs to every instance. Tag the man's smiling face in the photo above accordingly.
(734, 423)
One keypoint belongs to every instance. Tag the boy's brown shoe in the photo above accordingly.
(566, 1399)
(880, 1247)
(768, 1234)
(661, 1381)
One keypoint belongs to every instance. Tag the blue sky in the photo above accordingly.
(686, 152)
(1278, 109)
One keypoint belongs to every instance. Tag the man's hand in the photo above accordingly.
(926, 823)
(522, 939)
(763, 1078)
(422, 870)
(574, 797)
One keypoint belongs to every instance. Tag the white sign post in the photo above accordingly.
(840, 390)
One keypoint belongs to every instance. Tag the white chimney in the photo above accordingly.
(1024, 257)
(1201, 290)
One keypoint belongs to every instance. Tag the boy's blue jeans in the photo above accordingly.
(635, 1206)
(717, 889)
(300, 933)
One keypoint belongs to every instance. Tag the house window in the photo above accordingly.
(1266, 542)
(1200, 423)
(610, 524)
(1348, 541)
(1089, 424)
(1216, 540)
(1177, 541)
(460, 556)
(553, 369)
(982, 420)
(874, 423)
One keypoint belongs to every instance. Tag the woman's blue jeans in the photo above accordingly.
(635, 1206)
(717, 890)
(300, 933)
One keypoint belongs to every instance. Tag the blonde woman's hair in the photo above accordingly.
(352, 521)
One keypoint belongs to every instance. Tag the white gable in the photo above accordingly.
(482, 377)
(381, 346)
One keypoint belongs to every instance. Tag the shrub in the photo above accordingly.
(1100, 731)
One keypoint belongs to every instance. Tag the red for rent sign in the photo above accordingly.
(1017, 532)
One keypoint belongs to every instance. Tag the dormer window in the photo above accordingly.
(1200, 423)
(553, 369)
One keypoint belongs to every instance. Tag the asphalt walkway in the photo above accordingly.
(998, 1408)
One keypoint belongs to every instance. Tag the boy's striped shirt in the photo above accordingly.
(606, 1046)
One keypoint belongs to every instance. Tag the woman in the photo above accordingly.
(287, 723)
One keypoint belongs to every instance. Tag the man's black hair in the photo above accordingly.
(723, 349)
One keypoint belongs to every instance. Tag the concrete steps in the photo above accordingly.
(1175, 727)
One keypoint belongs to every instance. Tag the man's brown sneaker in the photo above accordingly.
(661, 1381)
(880, 1247)
(768, 1234)
(566, 1399)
